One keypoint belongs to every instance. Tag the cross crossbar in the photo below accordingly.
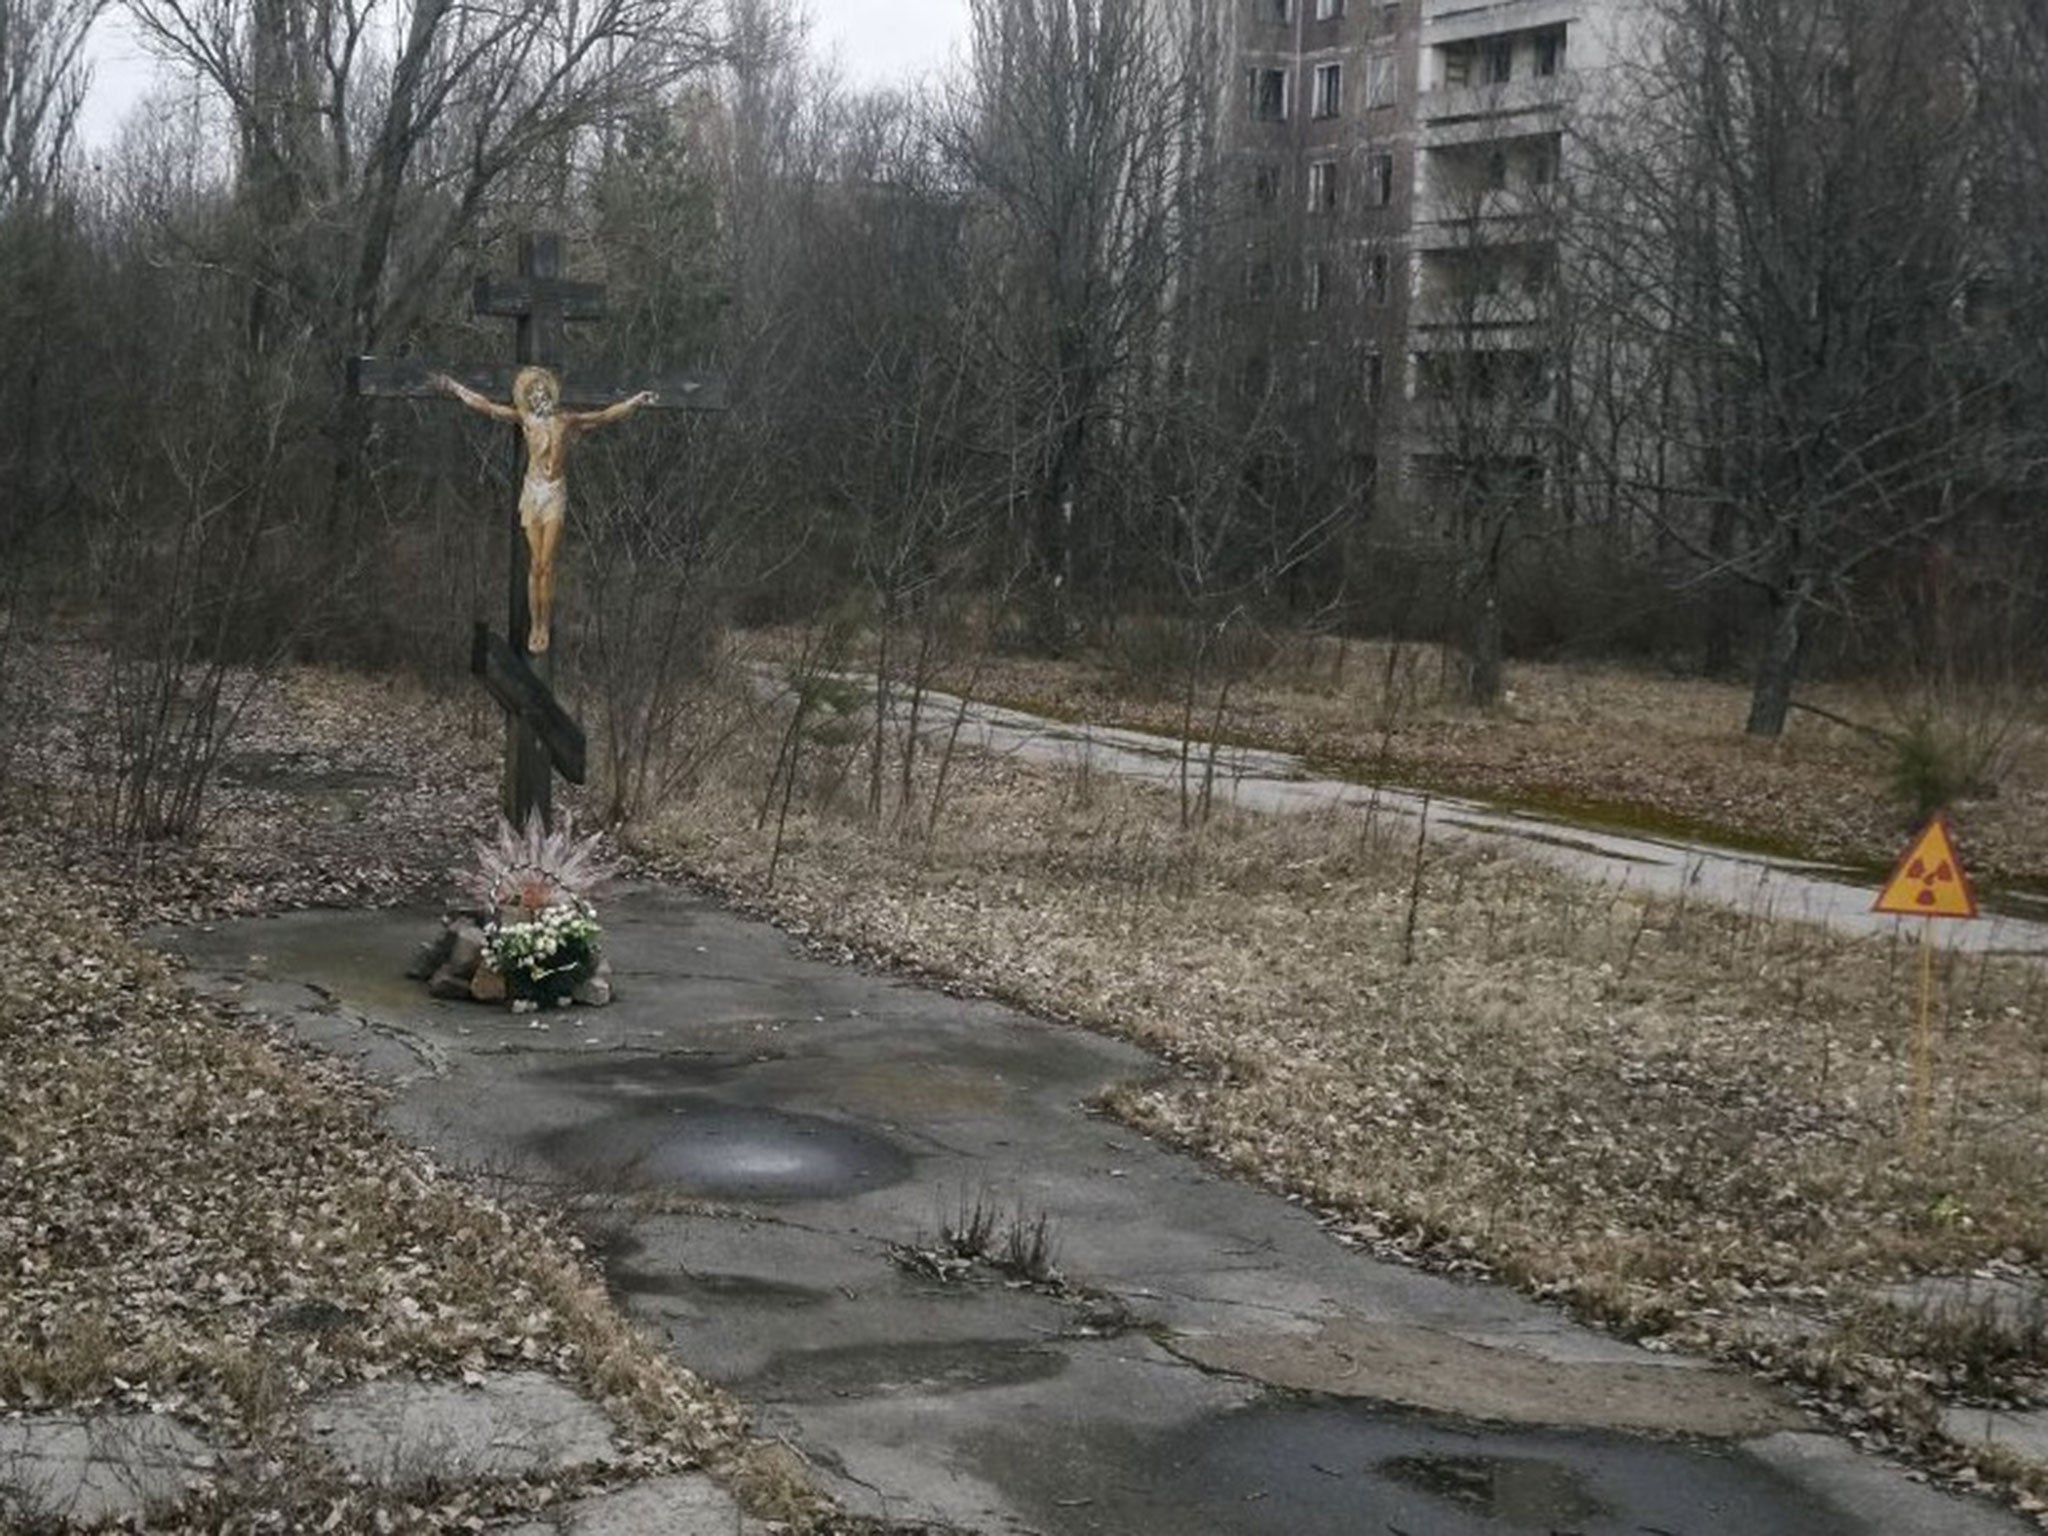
(406, 378)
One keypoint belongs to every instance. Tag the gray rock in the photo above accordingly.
(2014, 1306)
(84, 1470)
(457, 954)
(430, 956)
(2022, 1434)
(596, 991)
(447, 982)
(397, 1433)
(690, 1505)
(487, 986)
(465, 947)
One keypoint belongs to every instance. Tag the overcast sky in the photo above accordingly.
(877, 42)
(881, 41)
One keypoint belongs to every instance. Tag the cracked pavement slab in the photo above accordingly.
(86, 1469)
(1430, 1369)
(757, 1136)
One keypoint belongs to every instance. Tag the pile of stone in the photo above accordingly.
(452, 965)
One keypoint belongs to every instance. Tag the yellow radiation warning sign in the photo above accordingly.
(1930, 880)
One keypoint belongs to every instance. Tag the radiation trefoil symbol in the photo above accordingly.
(1930, 880)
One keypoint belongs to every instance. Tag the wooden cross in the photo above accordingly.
(540, 735)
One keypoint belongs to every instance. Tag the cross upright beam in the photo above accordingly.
(529, 781)
(538, 732)
(539, 299)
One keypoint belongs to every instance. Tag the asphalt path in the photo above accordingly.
(1830, 895)
(765, 1147)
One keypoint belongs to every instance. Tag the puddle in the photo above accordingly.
(738, 1290)
(613, 1249)
(1324, 1469)
(1499, 1487)
(642, 1075)
(755, 1290)
(873, 1370)
(723, 1151)
(920, 1088)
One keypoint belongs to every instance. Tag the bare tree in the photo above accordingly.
(372, 133)
(1490, 343)
(1072, 131)
(42, 85)
(1777, 225)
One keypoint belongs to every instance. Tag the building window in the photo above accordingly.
(1379, 178)
(1282, 10)
(1497, 61)
(1382, 86)
(1265, 185)
(1258, 279)
(1322, 186)
(1390, 18)
(1497, 169)
(1550, 51)
(1315, 284)
(1543, 162)
(1375, 378)
(1377, 277)
(1835, 91)
(1269, 95)
(1329, 10)
(1483, 276)
(1329, 89)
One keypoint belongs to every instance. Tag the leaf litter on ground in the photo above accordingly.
(1689, 1124)
(198, 1217)
(1685, 1123)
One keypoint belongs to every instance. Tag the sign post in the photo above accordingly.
(1930, 882)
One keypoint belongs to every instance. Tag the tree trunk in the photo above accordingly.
(1053, 545)
(1718, 659)
(1483, 668)
(1777, 673)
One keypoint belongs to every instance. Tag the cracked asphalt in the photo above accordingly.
(766, 1143)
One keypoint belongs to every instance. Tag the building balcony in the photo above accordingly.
(1502, 321)
(1468, 114)
(1458, 21)
(1497, 219)
(1467, 427)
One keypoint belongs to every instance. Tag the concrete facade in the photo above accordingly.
(1395, 164)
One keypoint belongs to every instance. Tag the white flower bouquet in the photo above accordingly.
(544, 955)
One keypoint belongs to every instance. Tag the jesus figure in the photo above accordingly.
(544, 497)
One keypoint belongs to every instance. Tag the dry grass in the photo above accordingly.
(1657, 751)
(198, 1217)
(198, 1220)
(1688, 1122)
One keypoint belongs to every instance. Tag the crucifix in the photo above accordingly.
(533, 394)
